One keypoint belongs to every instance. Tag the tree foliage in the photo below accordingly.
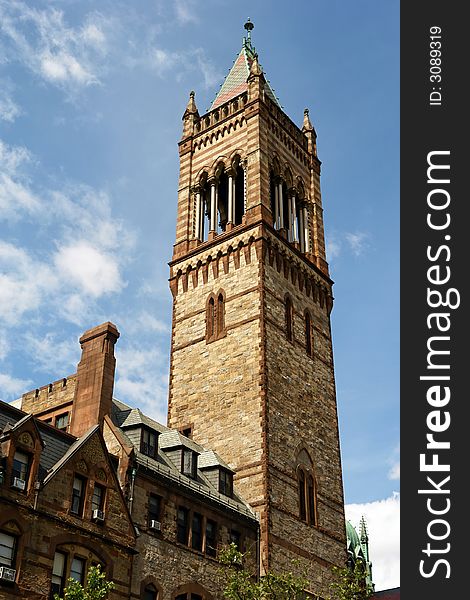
(96, 588)
(351, 584)
(240, 584)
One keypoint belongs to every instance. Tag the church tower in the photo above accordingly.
(251, 372)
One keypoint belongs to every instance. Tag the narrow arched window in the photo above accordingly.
(289, 318)
(302, 503)
(308, 334)
(210, 319)
(215, 317)
(220, 315)
(312, 509)
(239, 195)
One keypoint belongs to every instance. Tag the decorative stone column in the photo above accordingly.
(213, 213)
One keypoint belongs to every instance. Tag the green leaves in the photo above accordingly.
(96, 587)
(240, 584)
(351, 584)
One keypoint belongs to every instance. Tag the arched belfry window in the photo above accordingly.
(215, 317)
(308, 334)
(219, 200)
(289, 316)
(239, 195)
(307, 492)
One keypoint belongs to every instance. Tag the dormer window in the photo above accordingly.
(225, 483)
(149, 443)
(20, 470)
(189, 463)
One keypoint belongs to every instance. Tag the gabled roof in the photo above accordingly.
(236, 81)
(70, 452)
(56, 442)
(210, 459)
(9, 428)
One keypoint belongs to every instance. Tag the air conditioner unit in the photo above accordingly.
(18, 483)
(155, 525)
(98, 515)
(7, 574)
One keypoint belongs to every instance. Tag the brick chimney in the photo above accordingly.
(95, 378)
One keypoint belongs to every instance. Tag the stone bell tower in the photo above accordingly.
(251, 373)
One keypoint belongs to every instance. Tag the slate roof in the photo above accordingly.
(56, 442)
(129, 420)
(236, 81)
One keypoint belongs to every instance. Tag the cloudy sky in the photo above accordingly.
(91, 100)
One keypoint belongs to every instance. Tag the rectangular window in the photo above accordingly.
(62, 421)
(7, 550)
(211, 539)
(196, 532)
(182, 525)
(189, 463)
(78, 495)
(58, 573)
(77, 569)
(235, 538)
(225, 483)
(149, 443)
(154, 508)
(20, 469)
(97, 500)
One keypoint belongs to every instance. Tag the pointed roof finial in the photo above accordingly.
(255, 68)
(307, 124)
(191, 108)
(249, 26)
(363, 526)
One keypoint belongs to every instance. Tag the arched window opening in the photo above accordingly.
(239, 195)
(302, 503)
(289, 318)
(215, 317)
(150, 592)
(210, 319)
(222, 202)
(307, 491)
(308, 334)
(286, 220)
(220, 314)
(312, 509)
(202, 207)
(272, 195)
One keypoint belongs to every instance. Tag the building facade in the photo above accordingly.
(251, 452)
(251, 371)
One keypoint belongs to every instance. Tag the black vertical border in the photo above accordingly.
(423, 129)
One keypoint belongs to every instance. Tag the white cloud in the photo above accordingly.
(51, 353)
(142, 380)
(10, 387)
(144, 322)
(42, 41)
(333, 248)
(383, 524)
(13, 157)
(185, 12)
(357, 242)
(394, 472)
(94, 271)
(23, 283)
(9, 110)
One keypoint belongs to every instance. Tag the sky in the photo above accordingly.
(91, 100)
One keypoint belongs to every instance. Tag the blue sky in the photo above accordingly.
(91, 100)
